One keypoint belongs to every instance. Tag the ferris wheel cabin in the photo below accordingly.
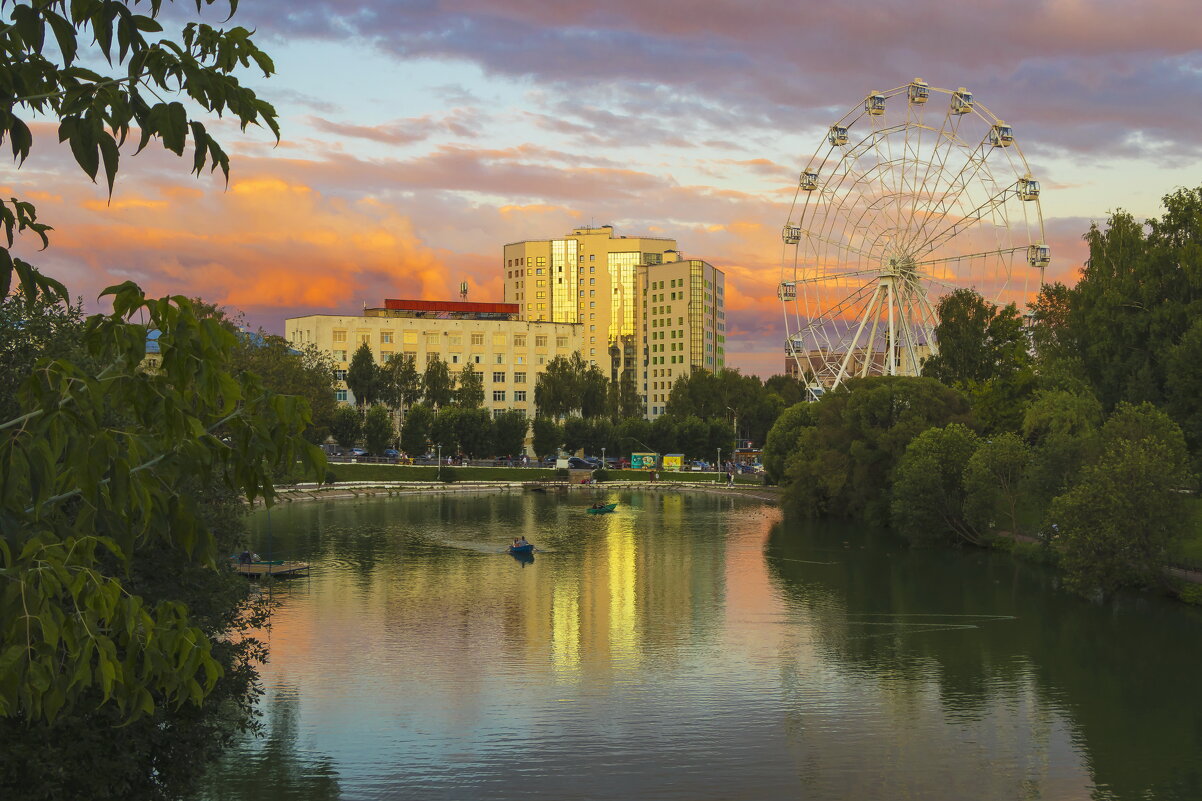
(809, 180)
(1028, 188)
(1001, 135)
(918, 91)
(1039, 255)
(787, 290)
(874, 104)
(837, 135)
(961, 101)
(791, 234)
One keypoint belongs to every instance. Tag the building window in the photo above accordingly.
(340, 395)
(385, 337)
(498, 378)
(340, 336)
(454, 358)
(455, 340)
(519, 340)
(340, 355)
(500, 358)
(498, 340)
(561, 342)
(477, 339)
(520, 359)
(540, 342)
(411, 338)
(433, 341)
(430, 356)
(540, 295)
(540, 271)
(365, 339)
(498, 396)
(518, 378)
(542, 282)
(340, 375)
(519, 396)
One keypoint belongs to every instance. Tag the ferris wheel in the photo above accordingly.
(914, 193)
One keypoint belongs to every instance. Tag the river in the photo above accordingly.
(693, 646)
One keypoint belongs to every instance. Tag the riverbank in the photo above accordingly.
(350, 490)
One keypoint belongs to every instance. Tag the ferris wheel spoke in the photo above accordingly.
(959, 184)
(965, 222)
(968, 256)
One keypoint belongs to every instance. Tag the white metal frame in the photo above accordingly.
(906, 210)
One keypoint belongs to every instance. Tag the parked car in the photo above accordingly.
(576, 463)
(593, 461)
(356, 452)
(392, 453)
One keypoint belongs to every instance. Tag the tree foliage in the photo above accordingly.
(783, 437)
(509, 432)
(995, 485)
(548, 436)
(437, 384)
(469, 394)
(307, 372)
(473, 430)
(571, 386)
(347, 426)
(363, 376)
(928, 503)
(415, 433)
(378, 430)
(400, 382)
(843, 464)
(444, 429)
(1117, 526)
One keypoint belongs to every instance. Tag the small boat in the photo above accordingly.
(600, 510)
(521, 550)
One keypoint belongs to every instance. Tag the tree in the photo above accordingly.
(625, 401)
(1062, 428)
(1118, 525)
(400, 381)
(473, 429)
(569, 386)
(548, 437)
(790, 390)
(782, 438)
(363, 377)
(633, 435)
(307, 372)
(415, 434)
(112, 473)
(995, 484)
(444, 430)
(347, 426)
(576, 434)
(843, 464)
(437, 385)
(983, 351)
(662, 437)
(928, 491)
(509, 432)
(693, 437)
(378, 430)
(46, 327)
(470, 392)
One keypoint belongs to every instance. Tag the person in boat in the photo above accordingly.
(598, 505)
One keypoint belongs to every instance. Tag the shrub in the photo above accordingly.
(600, 474)
(448, 475)
(330, 477)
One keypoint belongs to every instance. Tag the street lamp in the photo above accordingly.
(603, 458)
(439, 471)
(718, 467)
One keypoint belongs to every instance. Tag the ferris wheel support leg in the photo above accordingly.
(851, 347)
(869, 345)
(892, 342)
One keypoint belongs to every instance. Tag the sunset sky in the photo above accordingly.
(419, 137)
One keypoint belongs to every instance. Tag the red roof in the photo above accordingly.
(451, 306)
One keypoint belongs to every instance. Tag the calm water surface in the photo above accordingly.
(699, 647)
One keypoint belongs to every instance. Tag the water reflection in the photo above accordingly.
(699, 647)
(995, 643)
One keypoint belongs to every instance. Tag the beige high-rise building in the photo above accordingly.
(588, 277)
(509, 352)
(682, 324)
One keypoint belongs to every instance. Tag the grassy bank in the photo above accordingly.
(1189, 553)
(388, 472)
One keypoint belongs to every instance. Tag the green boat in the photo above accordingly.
(600, 510)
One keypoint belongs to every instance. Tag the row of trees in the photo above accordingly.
(398, 385)
(692, 436)
(1082, 429)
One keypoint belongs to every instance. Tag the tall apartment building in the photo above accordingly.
(606, 283)
(682, 324)
(588, 277)
(510, 352)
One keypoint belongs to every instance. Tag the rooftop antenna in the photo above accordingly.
(463, 291)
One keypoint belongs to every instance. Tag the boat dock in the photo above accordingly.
(283, 570)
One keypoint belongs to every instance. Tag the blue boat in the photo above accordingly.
(602, 510)
(521, 550)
